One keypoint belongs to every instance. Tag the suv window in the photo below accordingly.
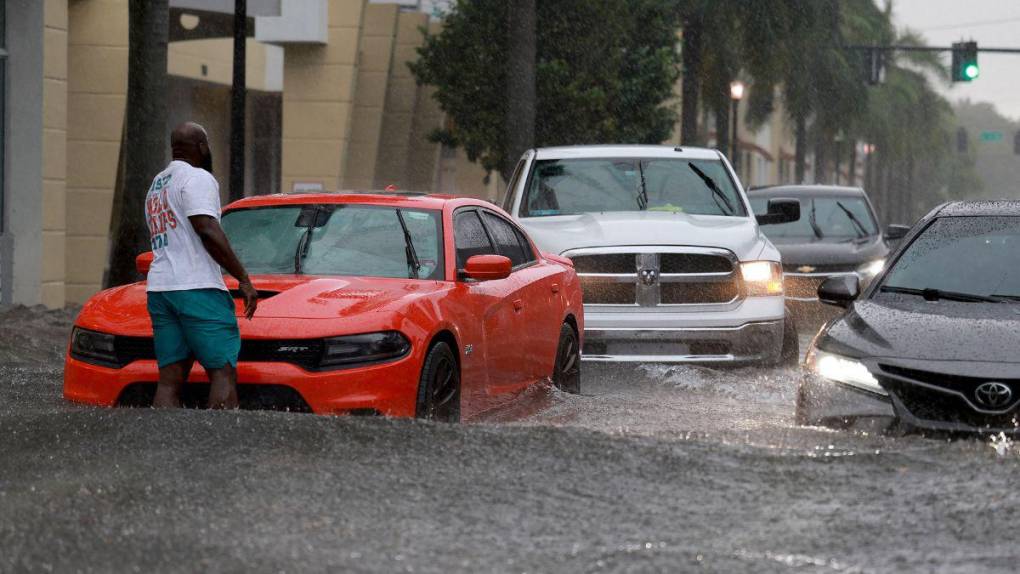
(507, 240)
(508, 196)
(470, 237)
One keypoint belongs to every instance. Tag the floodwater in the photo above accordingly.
(652, 468)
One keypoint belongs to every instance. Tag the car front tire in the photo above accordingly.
(439, 386)
(567, 371)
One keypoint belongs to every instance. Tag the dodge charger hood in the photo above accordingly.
(937, 331)
(122, 310)
(849, 254)
(560, 233)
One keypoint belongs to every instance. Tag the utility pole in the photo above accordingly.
(238, 95)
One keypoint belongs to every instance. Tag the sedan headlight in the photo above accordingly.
(871, 269)
(762, 277)
(93, 347)
(840, 369)
(351, 350)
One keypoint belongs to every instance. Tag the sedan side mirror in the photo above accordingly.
(895, 232)
(143, 262)
(840, 290)
(780, 210)
(487, 267)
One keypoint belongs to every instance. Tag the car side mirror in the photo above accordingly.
(896, 232)
(487, 267)
(840, 290)
(780, 210)
(143, 262)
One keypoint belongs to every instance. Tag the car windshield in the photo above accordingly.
(354, 240)
(977, 256)
(830, 218)
(572, 186)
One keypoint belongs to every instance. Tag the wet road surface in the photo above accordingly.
(652, 468)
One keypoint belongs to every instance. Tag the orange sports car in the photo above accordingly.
(402, 305)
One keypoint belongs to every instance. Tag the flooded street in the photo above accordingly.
(652, 468)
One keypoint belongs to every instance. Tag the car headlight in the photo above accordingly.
(871, 269)
(842, 369)
(350, 350)
(762, 277)
(93, 346)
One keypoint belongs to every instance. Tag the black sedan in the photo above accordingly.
(934, 342)
(837, 234)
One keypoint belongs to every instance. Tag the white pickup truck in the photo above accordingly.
(673, 265)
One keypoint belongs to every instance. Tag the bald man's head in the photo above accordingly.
(190, 142)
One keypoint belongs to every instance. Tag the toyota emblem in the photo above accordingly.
(993, 395)
(649, 276)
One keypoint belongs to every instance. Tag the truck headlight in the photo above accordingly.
(351, 350)
(762, 277)
(840, 369)
(93, 347)
(871, 269)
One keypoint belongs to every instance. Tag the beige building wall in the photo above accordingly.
(401, 97)
(424, 155)
(377, 43)
(54, 174)
(318, 100)
(97, 89)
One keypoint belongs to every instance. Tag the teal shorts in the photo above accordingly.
(197, 323)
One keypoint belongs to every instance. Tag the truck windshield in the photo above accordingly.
(572, 186)
(352, 240)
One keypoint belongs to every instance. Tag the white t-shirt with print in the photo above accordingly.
(180, 261)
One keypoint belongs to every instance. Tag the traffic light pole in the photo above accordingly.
(929, 49)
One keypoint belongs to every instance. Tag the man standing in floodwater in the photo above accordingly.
(191, 309)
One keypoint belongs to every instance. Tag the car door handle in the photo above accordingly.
(518, 305)
(555, 287)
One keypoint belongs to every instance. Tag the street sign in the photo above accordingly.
(991, 136)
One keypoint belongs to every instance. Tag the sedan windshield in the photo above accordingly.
(829, 218)
(353, 240)
(572, 186)
(964, 258)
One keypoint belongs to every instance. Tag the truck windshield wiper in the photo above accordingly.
(814, 222)
(930, 294)
(642, 196)
(717, 193)
(413, 264)
(858, 226)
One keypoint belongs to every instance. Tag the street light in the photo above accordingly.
(736, 94)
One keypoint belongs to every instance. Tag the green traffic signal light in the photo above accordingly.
(965, 62)
(972, 71)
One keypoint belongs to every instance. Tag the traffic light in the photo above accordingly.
(965, 62)
(876, 66)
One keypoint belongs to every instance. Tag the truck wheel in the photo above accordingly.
(567, 371)
(790, 354)
(439, 386)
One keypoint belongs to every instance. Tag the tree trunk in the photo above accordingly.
(521, 95)
(691, 85)
(821, 159)
(721, 110)
(851, 171)
(800, 148)
(238, 93)
(145, 141)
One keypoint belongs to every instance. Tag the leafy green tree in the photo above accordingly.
(605, 72)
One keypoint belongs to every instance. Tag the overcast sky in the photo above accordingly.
(992, 23)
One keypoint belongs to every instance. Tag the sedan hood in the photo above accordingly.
(797, 252)
(122, 310)
(561, 233)
(909, 328)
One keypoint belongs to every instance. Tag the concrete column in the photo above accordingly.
(54, 170)
(401, 97)
(318, 100)
(422, 170)
(21, 249)
(377, 42)
(97, 91)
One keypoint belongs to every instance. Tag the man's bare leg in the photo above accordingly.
(223, 387)
(171, 380)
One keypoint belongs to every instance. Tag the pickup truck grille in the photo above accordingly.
(654, 279)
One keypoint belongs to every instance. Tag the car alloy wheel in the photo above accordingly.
(567, 373)
(439, 386)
